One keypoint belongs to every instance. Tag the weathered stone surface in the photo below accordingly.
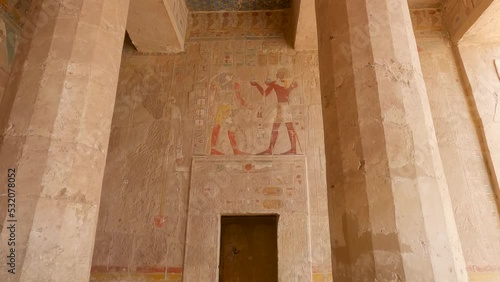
(170, 108)
(248, 186)
(55, 120)
(392, 216)
(462, 149)
(477, 53)
(477, 61)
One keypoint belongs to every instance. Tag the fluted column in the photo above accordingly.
(55, 120)
(391, 218)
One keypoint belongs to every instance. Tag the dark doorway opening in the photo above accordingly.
(249, 249)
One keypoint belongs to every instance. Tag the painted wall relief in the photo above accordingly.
(250, 117)
(228, 185)
(15, 10)
(12, 14)
(224, 99)
(282, 89)
(255, 25)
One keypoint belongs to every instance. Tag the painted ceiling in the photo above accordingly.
(237, 5)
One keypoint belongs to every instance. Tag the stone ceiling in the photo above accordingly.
(237, 5)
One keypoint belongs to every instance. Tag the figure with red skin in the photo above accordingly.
(225, 96)
(282, 89)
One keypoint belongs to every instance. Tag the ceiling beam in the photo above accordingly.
(158, 25)
(303, 31)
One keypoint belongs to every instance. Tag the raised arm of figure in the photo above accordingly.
(257, 85)
(237, 93)
(293, 85)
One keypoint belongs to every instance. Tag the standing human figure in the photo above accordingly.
(225, 96)
(283, 115)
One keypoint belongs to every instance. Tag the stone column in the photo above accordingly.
(55, 120)
(391, 215)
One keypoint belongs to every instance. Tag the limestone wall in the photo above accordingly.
(480, 58)
(461, 143)
(482, 64)
(248, 186)
(482, 67)
(170, 108)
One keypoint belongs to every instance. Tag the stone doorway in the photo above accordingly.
(233, 185)
(249, 249)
